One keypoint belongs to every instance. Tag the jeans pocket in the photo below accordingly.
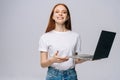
(73, 75)
(52, 75)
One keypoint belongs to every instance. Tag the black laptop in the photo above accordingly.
(102, 49)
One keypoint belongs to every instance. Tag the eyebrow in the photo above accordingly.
(58, 10)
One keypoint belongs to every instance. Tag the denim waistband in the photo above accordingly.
(68, 71)
(56, 74)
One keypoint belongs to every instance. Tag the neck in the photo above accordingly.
(60, 28)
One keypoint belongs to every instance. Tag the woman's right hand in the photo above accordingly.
(57, 59)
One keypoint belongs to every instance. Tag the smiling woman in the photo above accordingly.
(57, 44)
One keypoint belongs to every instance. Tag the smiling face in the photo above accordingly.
(60, 14)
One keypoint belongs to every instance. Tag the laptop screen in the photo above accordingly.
(104, 45)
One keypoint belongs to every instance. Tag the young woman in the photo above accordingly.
(57, 44)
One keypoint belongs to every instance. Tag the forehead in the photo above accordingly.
(60, 7)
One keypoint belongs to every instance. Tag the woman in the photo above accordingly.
(57, 44)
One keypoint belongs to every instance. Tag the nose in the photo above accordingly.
(60, 14)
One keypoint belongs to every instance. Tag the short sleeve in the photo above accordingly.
(78, 45)
(43, 44)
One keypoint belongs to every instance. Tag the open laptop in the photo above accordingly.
(102, 49)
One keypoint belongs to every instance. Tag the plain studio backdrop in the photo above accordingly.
(22, 22)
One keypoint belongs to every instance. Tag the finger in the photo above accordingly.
(65, 58)
(56, 53)
(60, 60)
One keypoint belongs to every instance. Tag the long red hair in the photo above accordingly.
(51, 24)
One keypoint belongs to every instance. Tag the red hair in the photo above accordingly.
(51, 24)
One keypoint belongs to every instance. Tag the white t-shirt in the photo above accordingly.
(67, 43)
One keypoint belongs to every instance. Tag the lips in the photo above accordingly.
(60, 18)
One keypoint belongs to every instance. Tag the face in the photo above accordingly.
(60, 14)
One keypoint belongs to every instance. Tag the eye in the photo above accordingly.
(56, 11)
(64, 12)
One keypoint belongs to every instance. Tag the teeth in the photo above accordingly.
(59, 17)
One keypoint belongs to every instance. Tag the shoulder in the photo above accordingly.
(74, 33)
(45, 35)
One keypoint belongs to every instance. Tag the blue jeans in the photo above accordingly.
(55, 74)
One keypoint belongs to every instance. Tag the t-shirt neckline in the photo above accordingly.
(60, 32)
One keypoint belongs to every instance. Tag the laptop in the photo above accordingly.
(102, 49)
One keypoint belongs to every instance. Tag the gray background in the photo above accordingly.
(22, 22)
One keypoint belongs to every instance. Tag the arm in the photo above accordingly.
(44, 59)
(45, 62)
(78, 61)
